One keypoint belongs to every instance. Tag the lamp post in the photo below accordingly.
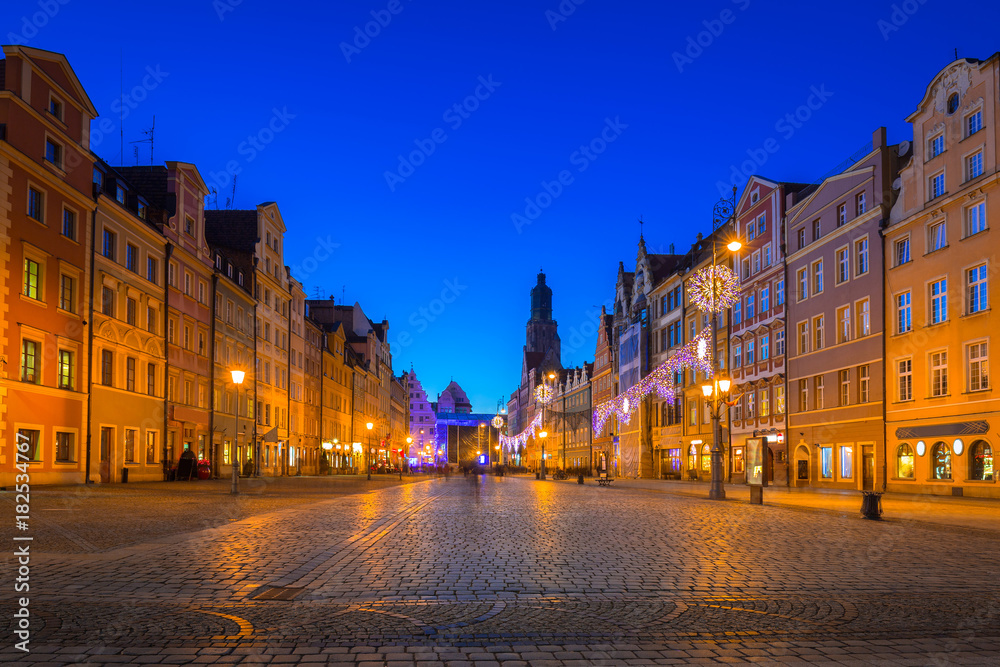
(542, 435)
(368, 465)
(723, 213)
(409, 441)
(237, 380)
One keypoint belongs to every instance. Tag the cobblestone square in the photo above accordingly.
(489, 571)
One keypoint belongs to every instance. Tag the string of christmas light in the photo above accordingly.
(714, 288)
(696, 354)
(512, 442)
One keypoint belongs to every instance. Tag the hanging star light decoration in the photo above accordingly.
(696, 355)
(511, 443)
(497, 422)
(544, 394)
(714, 288)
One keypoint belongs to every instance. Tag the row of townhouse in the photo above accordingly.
(859, 348)
(126, 305)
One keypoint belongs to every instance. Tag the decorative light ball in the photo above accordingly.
(702, 348)
(543, 394)
(715, 288)
(625, 405)
(497, 422)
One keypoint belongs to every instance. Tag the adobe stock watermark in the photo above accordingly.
(786, 126)
(322, 252)
(454, 116)
(363, 36)
(565, 9)
(422, 318)
(581, 158)
(898, 17)
(253, 146)
(223, 7)
(703, 39)
(31, 24)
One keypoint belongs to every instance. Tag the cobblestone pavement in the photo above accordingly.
(512, 571)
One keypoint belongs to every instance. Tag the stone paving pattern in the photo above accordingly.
(491, 571)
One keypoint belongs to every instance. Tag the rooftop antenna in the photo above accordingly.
(149, 138)
(215, 197)
(641, 223)
(343, 291)
(231, 201)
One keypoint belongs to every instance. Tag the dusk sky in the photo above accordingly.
(418, 170)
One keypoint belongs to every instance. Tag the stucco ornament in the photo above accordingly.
(958, 79)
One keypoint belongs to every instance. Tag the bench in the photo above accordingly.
(605, 481)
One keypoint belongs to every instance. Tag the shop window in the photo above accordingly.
(981, 461)
(904, 461)
(706, 458)
(826, 462)
(941, 461)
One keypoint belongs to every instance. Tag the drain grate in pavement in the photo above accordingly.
(277, 593)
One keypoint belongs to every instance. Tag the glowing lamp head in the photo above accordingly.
(706, 389)
(238, 376)
(409, 440)
(734, 246)
(327, 446)
(369, 426)
(724, 385)
(543, 434)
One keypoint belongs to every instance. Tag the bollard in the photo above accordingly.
(871, 505)
(579, 480)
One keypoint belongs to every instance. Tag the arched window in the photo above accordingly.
(941, 461)
(904, 461)
(981, 461)
(706, 458)
(693, 458)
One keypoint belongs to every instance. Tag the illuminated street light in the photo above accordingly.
(237, 380)
(368, 465)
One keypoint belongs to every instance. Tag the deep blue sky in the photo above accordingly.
(448, 225)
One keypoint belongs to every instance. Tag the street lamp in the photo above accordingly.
(716, 394)
(542, 435)
(368, 465)
(237, 380)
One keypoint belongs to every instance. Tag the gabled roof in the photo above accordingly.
(40, 55)
(232, 229)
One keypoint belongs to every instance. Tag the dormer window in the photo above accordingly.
(218, 261)
(120, 194)
(141, 210)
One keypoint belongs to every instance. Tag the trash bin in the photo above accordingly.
(871, 504)
(579, 480)
(124, 475)
(538, 475)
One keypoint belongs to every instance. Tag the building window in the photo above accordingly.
(65, 451)
(803, 395)
(974, 123)
(977, 289)
(818, 331)
(150, 447)
(706, 458)
(187, 284)
(817, 231)
(107, 367)
(761, 224)
(765, 347)
(66, 369)
(130, 374)
(69, 224)
(818, 277)
(864, 382)
(842, 215)
(981, 461)
(939, 301)
(750, 306)
(130, 445)
(937, 185)
(904, 461)
(53, 153)
(904, 320)
(751, 232)
(751, 399)
(692, 413)
(746, 268)
(120, 193)
(765, 402)
(846, 461)
(31, 360)
(860, 205)
(36, 205)
(818, 386)
(802, 238)
(131, 258)
(974, 166)
(779, 293)
(189, 226)
(902, 251)
(756, 262)
(941, 461)
(975, 219)
(803, 337)
(843, 266)
(151, 270)
(109, 245)
(844, 324)
(904, 374)
(750, 353)
(737, 356)
(29, 437)
(939, 373)
(151, 379)
(937, 145)
(32, 283)
(978, 367)
(826, 462)
(67, 293)
(937, 239)
(130, 305)
(56, 108)
(779, 400)
(108, 301)
(861, 257)
(767, 255)
(779, 342)
(864, 319)
(802, 278)
(765, 300)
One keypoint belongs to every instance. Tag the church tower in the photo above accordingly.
(542, 337)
